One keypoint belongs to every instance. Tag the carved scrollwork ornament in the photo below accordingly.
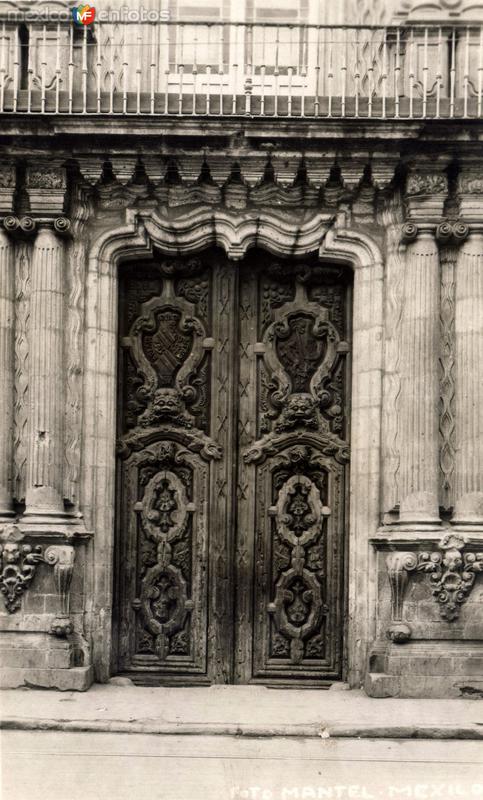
(452, 574)
(444, 232)
(61, 558)
(398, 566)
(19, 225)
(452, 233)
(460, 231)
(62, 225)
(299, 604)
(18, 563)
(409, 232)
(27, 224)
(11, 223)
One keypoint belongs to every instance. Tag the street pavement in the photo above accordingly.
(46, 765)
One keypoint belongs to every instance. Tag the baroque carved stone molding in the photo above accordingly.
(18, 564)
(254, 180)
(452, 574)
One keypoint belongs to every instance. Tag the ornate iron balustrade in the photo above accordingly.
(231, 69)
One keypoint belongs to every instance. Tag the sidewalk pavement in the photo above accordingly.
(255, 711)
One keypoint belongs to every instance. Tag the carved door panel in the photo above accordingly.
(174, 612)
(231, 471)
(293, 456)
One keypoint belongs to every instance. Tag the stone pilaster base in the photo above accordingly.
(39, 660)
(426, 670)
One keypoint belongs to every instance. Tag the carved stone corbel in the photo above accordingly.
(61, 558)
(398, 567)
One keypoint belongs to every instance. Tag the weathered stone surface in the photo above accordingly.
(76, 679)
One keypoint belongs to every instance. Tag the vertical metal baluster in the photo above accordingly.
(357, 78)
(452, 73)
(370, 76)
(480, 74)
(249, 70)
(3, 70)
(425, 73)
(30, 72)
(384, 76)
(152, 70)
(317, 77)
(411, 74)
(439, 76)
(43, 67)
(234, 44)
(84, 72)
(181, 70)
(99, 73)
(195, 69)
(221, 72)
(262, 74)
(16, 71)
(466, 76)
(57, 69)
(167, 73)
(139, 69)
(276, 72)
(290, 75)
(71, 69)
(125, 68)
(397, 75)
(303, 72)
(344, 72)
(111, 75)
(208, 75)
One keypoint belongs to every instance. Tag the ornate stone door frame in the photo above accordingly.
(235, 233)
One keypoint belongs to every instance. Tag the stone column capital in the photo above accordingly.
(60, 226)
(452, 232)
(19, 226)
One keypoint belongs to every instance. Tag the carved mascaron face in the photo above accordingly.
(167, 401)
(10, 552)
(300, 406)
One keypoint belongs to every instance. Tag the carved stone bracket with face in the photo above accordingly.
(452, 574)
(18, 563)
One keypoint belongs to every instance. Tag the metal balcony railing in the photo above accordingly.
(235, 69)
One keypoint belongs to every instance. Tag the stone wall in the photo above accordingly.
(408, 219)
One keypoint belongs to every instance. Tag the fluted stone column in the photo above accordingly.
(469, 381)
(7, 288)
(419, 379)
(46, 379)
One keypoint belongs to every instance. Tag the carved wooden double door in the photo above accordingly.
(232, 470)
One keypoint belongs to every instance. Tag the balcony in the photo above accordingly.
(240, 69)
